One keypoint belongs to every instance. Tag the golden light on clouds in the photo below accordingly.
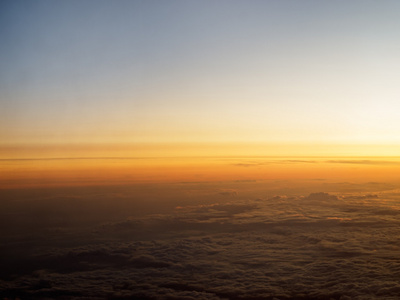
(23, 173)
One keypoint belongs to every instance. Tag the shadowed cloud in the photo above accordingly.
(318, 246)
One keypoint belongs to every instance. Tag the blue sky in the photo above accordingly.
(133, 71)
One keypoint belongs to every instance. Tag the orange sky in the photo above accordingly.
(116, 171)
(186, 82)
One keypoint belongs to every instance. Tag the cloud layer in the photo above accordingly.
(314, 246)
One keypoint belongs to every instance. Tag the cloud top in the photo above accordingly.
(315, 246)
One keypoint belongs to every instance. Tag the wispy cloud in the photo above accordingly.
(364, 162)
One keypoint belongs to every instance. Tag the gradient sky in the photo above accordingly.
(199, 71)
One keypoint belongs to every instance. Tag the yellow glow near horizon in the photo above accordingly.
(216, 149)
(163, 150)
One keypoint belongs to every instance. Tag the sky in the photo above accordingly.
(184, 72)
